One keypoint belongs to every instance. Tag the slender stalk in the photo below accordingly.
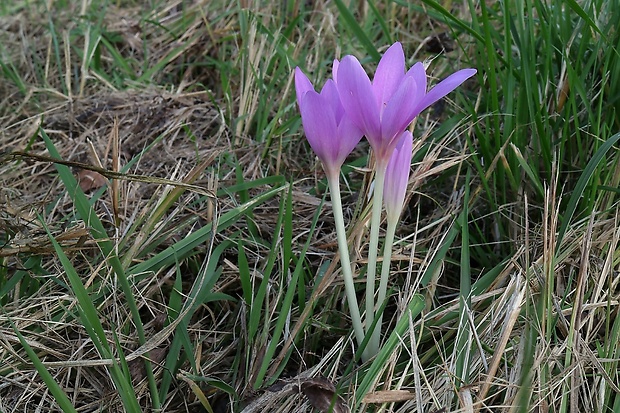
(345, 262)
(375, 340)
(371, 271)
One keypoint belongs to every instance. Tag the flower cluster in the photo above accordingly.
(351, 106)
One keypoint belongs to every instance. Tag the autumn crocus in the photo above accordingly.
(329, 130)
(332, 135)
(382, 109)
(395, 189)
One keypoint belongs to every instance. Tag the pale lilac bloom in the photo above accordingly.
(384, 108)
(329, 130)
(397, 176)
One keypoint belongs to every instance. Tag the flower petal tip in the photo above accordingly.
(302, 84)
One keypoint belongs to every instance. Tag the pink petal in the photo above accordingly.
(397, 115)
(349, 136)
(444, 87)
(390, 73)
(320, 126)
(397, 176)
(358, 99)
(302, 84)
(418, 73)
(330, 94)
(335, 70)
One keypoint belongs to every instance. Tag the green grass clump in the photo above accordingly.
(165, 238)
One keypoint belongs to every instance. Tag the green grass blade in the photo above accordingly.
(245, 275)
(582, 13)
(581, 186)
(247, 185)
(286, 306)
(10, 72)
(175, 306)
(534, 179)
(463, 337)
(59, 395)
(90, 320)
(414, 308)
(98, 232)
(448, 18)
(357, 30)
(259, 297)
(381, 20)
(86, 308)
(186, 247)
(441, 253)
(200, 294)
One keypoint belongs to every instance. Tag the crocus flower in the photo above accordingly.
(397, 176)
(332, 135)
(384, 108)
(329, 130)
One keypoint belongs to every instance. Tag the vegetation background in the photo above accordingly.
(166, 243)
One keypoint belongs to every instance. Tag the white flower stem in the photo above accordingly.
(373, 252)
(345, 262)
(375, 340)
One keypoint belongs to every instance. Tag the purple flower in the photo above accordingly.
(384, 108)
(329, 130)
(397, 176)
